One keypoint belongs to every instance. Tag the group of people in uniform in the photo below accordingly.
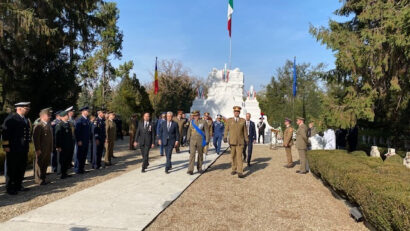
(56, 142)
(302, 142)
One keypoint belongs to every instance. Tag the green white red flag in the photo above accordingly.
(230, 11)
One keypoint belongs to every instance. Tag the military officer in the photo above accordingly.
(181, 122)
(218, 127)
(237, 132)
(64, 143)
(43, 145)
(301, 144)
(99, 135)
(82, 137)
(208, 120)
(198, 136)
(54, 154)
(288, 142)
(16, 138)
(110, 137)
(132, 130)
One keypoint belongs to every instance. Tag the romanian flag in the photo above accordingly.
(156, 85)
(230, 11)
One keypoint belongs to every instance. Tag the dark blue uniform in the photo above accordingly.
(54, 157)
(83, 134)
(16, 136)
(218, 128)
(64, 140)
(99, 134)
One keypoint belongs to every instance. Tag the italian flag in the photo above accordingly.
(230, 11)
(156, 85)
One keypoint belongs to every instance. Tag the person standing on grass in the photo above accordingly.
(15, 141)
(288, 142)
(64, 143)
(145, 139)
(238, 137)
(43, 145)
(168, 136)
(110, 134)
(302, 144)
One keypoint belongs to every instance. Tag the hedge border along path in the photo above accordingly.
(381, 189)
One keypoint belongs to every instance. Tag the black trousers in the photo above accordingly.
(248, 147)
(263, 137)
(97, 155)
(16, 163)
(54, 160)
(145, 155)
(65, 160)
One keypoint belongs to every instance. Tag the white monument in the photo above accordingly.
(226, 90)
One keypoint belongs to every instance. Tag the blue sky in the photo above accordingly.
(265, 34)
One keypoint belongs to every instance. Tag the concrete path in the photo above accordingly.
(128, 202)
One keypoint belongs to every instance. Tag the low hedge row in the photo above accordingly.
(381, 189)
(31, 156)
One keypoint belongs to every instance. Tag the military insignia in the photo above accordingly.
(149, 128)
(200, 126)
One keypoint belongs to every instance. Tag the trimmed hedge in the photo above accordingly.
(381, 189)
(31, 156)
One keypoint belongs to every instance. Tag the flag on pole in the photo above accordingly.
(294, 77)
(230, 11)
(156, 85)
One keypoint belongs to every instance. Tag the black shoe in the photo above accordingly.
(190, 173)
(241, 175)
(233, 173)
(23, 189)
(143, 170)
(249, 164)
(12, 192)
(166, 171)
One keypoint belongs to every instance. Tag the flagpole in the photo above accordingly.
(230, 52)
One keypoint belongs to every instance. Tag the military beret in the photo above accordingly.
(195, 113)
(63, 113)
(22, 104)
(300, 118)
(84, 108)
(237, 108)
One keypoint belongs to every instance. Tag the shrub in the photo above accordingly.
(394, 159)
(381, 189)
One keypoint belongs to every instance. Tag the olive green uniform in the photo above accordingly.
(195, 144)
(301, 145)
(287, 143)
(209, 123)
(111, 132)
(181, 122)
(236, 129)
(132, 130)
(43, 141)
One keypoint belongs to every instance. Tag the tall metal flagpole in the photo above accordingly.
(230, 52)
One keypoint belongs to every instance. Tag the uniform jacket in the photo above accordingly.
(43, 138)
(133, 126)
(210, 126)
(237, 132)
(252, 131)
(64, 137)
(99, 131)
(288, 137)
(110, 131)
(145, 135)
(16, 133)
(83, 130)
(54, 124)
(193, 135)
(261, 127)
(168, 136)
(301, 137)
(218, 128)
(181, 122)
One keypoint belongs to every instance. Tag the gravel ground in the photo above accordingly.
(271, 197)
(11, 206)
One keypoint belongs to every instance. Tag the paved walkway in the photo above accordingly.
(128, 202)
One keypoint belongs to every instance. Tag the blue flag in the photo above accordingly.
(295, 78)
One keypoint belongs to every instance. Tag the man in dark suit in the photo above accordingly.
(250, 126)
(168, 136)
(145, 139)
(15, 141)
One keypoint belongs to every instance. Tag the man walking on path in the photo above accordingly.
(250, 127)
(181, 122)
(110, 136)
(288, 142)
(132, 130)
(16, 137)
(159, 124)
(145, 139)
(209, 122)
(43, 145)
(218, 128)
(168, 136)
(238, 136)
(301, 144)
(198, 136)
(64, 143)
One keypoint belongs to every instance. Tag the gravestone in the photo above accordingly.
(375, 152)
